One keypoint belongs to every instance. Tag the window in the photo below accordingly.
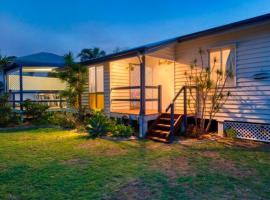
(96, 87)
(223, 60)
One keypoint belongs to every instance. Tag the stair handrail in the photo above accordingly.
(171, 108)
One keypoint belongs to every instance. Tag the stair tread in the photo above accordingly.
(158, 139)
(160, 131)
(163, 125)
(165, 118)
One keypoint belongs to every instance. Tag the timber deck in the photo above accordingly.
(134, 111)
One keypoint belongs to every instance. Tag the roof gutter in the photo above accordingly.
(116, 56)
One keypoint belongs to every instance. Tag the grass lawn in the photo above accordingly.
(57, 164)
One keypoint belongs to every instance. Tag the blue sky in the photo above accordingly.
(59, 26)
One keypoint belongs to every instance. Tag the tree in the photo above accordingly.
(75, 75)
(119, 49)
(4, 60)
(210, 82)
(87, 54)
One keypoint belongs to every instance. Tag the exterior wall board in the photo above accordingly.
(250, 99)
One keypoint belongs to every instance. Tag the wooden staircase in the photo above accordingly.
(161, 130)
(168, 123)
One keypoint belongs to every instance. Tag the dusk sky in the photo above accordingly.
(57, 26)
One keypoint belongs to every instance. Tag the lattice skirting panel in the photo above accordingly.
(252, 131)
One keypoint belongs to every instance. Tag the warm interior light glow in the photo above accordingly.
(38, 69)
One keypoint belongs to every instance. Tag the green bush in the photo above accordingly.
(64, 119)
(7, 116)
(36, 112)
(120, 130)
(231, 133)
(98, 125)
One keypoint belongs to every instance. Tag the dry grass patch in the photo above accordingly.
(158, 146)
(3, 168)
(77, 162)
(230, 167)
(189, 142)
(173, 167)
(133, 190)
(101, 147)
(209, 154)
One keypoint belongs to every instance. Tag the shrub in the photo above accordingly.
(120, 130)
(98, 125)
(35, 111)
(7, 116)
(231, 133)
(63, 119)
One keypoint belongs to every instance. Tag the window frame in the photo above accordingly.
(220, 48)
(96, 92)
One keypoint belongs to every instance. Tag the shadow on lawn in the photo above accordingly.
(32, 129)
(246, 144)
(237, 145)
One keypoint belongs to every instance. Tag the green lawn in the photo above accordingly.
(56, 164)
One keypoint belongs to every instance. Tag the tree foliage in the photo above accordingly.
(7, 116)
(210, 83)
(37, 112)
(75, 75)
(4, 60)
(87, 54)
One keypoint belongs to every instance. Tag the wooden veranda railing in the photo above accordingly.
(158, 99)
(48, 97)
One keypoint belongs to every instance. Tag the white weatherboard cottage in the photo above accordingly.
(142, 82)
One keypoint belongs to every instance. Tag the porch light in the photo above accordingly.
(164, 62)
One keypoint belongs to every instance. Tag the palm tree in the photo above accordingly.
(4, 60)
(87, 54)
(74, 75)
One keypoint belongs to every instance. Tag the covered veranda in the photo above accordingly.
(138, 83)
(33, 78)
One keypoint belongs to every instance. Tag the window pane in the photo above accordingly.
(100, 101)
(92, 101)
(92, 80)
(215, 63)
(225, 62)
(225, 56)
(96, 101)
(228, 65)
(99, 81)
